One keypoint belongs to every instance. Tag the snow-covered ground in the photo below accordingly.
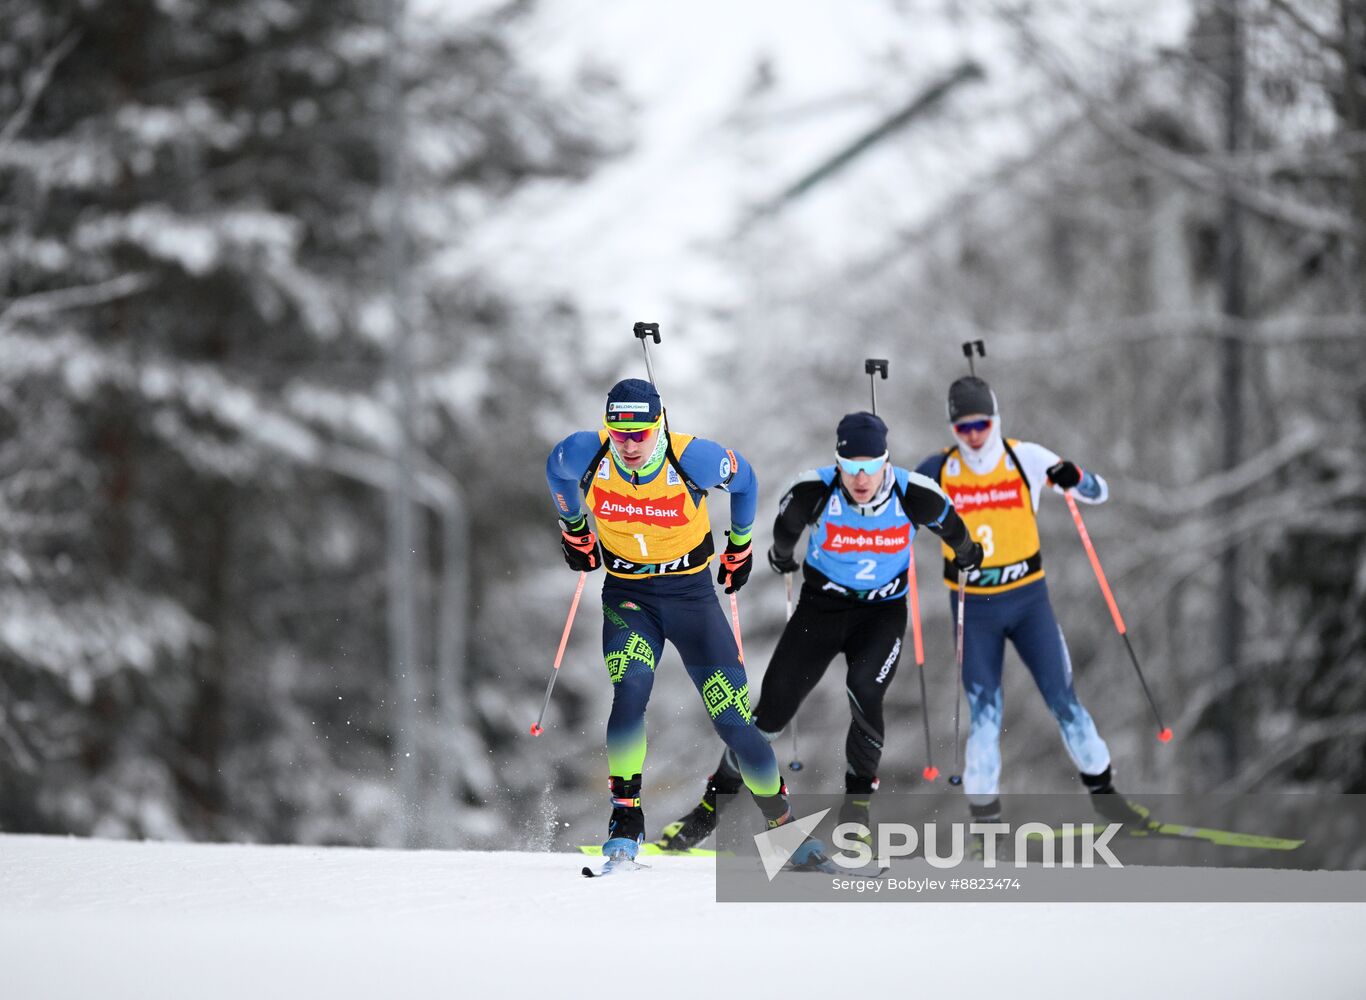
(102, 920)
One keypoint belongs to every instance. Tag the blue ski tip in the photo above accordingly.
(616, 864)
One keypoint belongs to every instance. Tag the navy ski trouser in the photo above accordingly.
(1025, 617)
(638, 616)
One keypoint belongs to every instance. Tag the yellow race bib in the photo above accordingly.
(655, 527)
(999, 513)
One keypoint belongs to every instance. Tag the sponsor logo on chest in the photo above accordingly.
(841, 539)
(666, 512)
(998, 576)
(992, 496)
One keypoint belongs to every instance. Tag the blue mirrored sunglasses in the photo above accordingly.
(870, 466)
(972, 426)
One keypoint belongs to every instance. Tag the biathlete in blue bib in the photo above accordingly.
(860, 515)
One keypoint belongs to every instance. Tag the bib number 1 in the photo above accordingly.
(641, 539)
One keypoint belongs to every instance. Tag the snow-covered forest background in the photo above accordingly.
(258, 258)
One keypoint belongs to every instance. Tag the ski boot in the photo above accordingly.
(810, 854)
(986, 812)
(626, 825)
(857, 805)
(1107, 801)
(697, 826)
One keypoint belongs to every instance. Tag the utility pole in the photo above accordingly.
(402, 528)
(1352, 20)
(1233, 294)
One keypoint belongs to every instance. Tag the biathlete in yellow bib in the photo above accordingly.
(995, 484)
(646, 489)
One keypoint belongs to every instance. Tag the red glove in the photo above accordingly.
(581, 549)
(736, 562)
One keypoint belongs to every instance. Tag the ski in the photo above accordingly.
(656, 850)
(615, 865)
(1225, 838)
(1158, 828)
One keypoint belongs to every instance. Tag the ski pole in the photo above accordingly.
(1164, 734)
(871, 367)
(735, 626)
(536, 729)
(957, 777)
(931, 772)
(645, 331)
(795, 763)
(968, 345)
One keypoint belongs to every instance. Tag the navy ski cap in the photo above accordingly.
(861, 434)
(969, 395)
(632, 402)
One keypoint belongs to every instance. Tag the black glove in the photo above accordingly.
(1064, 474)
(736, 562)
(581, 549)
(969, 557)
(782, 564)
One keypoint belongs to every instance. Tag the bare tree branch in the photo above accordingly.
(19, 751)
(1304, 24)
(1305, 736)
(1044, 346)
(34, 87)
(958, 207)
(1186, 500)
(75, 297)
(1262, 162)
(1189, 548)
(1183, 168)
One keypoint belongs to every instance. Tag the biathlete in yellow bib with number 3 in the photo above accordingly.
(995, 484)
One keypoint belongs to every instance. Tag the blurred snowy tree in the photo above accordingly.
(195, 413)
(1091, 266)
